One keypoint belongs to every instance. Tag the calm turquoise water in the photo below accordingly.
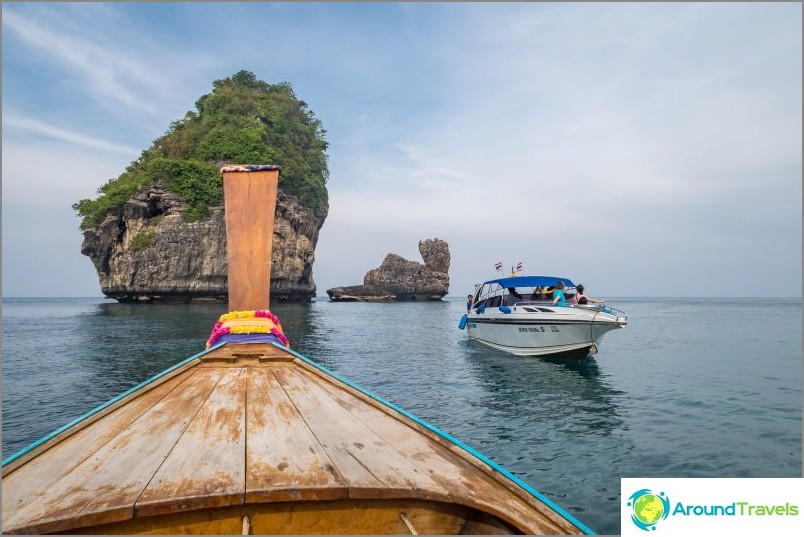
(691, 388)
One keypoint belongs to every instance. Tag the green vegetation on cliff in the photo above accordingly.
(243, 121)
(142, 241)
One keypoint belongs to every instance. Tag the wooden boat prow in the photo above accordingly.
(254, 438)
(258, 437)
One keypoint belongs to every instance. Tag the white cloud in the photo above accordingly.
(105, 70)
(72, 137)
(50, 175)
(620, 143)
(602, 108)
(98, 52)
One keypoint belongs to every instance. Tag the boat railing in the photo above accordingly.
(597, 306)
(605, 308)
(615, 311)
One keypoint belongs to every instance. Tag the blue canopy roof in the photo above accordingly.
(531, 281)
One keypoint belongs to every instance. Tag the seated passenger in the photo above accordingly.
(540, 294)
(512, 297)
(581, 298)
(558, 295)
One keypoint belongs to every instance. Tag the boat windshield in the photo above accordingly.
(497, 293)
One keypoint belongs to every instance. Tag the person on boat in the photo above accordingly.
(581, 298)
(540, 293)
(468, 302)
(512, 297)
(558, 295)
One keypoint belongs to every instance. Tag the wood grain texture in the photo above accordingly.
(344, 517)
(255, 350)
(372, 467)
(104, 487)
(380, 517)
(40, 473)
(250, 204)
(206, 466)
(284, 459)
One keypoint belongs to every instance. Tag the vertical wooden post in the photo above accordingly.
(250, 203)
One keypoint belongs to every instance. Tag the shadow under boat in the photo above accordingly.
(554, 389)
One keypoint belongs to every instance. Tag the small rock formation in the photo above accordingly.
(400, 279)
(355, 293)
(148, 252)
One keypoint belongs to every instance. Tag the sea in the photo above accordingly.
(692, 387)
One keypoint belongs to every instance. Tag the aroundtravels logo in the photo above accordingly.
(648, 508)
(696, 505)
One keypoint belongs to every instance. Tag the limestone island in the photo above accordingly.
(398, 279)
(156, 233)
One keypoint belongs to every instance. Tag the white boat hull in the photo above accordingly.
(568, 330)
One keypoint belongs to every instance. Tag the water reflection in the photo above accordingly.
(132, 342)
(586, 367)
(547, 420)
(566, 395)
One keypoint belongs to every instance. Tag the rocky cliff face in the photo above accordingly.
(403, 279)
(149, 253)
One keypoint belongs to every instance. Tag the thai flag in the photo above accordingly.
(519, 267)
(498, 265)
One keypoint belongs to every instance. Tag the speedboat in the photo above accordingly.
(510, 315)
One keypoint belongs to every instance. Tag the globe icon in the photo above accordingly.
(648, 508)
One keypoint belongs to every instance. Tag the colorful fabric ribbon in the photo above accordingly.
(248, 322)
(252, 168)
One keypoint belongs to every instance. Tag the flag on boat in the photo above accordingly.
(498, 265)
(519, 267)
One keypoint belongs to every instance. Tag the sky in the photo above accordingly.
(640, 149)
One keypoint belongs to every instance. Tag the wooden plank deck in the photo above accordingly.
(42, 473)
(295, 468)
(206, 466)
(250, 424)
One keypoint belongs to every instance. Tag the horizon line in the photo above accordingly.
(461, 296)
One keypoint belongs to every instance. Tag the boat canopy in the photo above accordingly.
(530, 281)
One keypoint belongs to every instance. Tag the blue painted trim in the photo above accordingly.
(536, 494)
(79, 419)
